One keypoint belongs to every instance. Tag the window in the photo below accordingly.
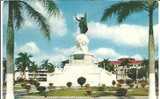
(42, 79)
(79, 56)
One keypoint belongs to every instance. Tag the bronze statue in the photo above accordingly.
(83, 24)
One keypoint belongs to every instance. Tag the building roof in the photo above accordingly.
(131, 61)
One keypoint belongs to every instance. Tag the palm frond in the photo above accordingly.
(17, 14)
(123, 9)
(39, 18)
(155, 4)
(51, 6)
(5, 3)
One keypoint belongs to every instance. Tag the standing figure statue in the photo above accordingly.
(83, 24)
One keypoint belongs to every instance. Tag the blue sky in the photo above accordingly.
(107, 39)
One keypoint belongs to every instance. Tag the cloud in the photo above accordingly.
(29, 47)
(126, 34)
(137, 56)
(57, 56)
(57, 24)
(113, 54)
(106, 52)
(28, 23)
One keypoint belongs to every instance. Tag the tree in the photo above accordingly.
(126, 8)
(106, 64)
(4, 70)
(48, 66)
(42, 90)
(125, 64)
(145, 63)
(81, 81)
(132, 74)
(33, 68)
(69, 84)
(113, 83)
(15, 20)
(22, 62)
(141, 73)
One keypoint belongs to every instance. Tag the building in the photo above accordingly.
(122, 68)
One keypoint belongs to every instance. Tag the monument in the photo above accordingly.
(82, 63)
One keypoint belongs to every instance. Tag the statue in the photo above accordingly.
(83, 24)
(82, 42)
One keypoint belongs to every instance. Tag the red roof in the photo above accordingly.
(136, 62)
(131, 61)
(116, 62)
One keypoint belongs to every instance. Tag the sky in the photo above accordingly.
(107, 39)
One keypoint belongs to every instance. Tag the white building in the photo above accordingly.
(121, 71)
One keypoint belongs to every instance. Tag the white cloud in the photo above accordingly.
(65, 51)
(28, 23)
(113, 54)
(126, 34)
(137, 56)
(106, 53)
(58, 55)
(29, 47)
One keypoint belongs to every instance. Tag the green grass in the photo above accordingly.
(81, 92)
(138, 92)
(67, 92)
(64, 92)
(18, 87)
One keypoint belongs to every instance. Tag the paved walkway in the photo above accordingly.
(75, 97)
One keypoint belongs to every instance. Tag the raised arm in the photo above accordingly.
(77, 19)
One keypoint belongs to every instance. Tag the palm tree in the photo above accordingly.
(48, 66)
(125, 64)
(106, 64)
(22, 62)
(15, 20)
(33, 68)
(4, 70)
(146, 68)
(44, 64)
(51, 68)
(126, 8)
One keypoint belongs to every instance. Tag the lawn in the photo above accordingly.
(18, 87)
(138, 92)
(95, 92)
(64, 92)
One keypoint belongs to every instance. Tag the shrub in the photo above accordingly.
(131, 85)
(113, 82)
(23, 85)
(102, 88)
(50, 87)
(121, 92)
(27, 87)
(69, 84)
(88, 89)
(37, 84)
(128, 81)
(42, 90)
(121, 81)
(143, 84)
(119, 85)
(21, 80)
(32, 81)
(81, 81)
